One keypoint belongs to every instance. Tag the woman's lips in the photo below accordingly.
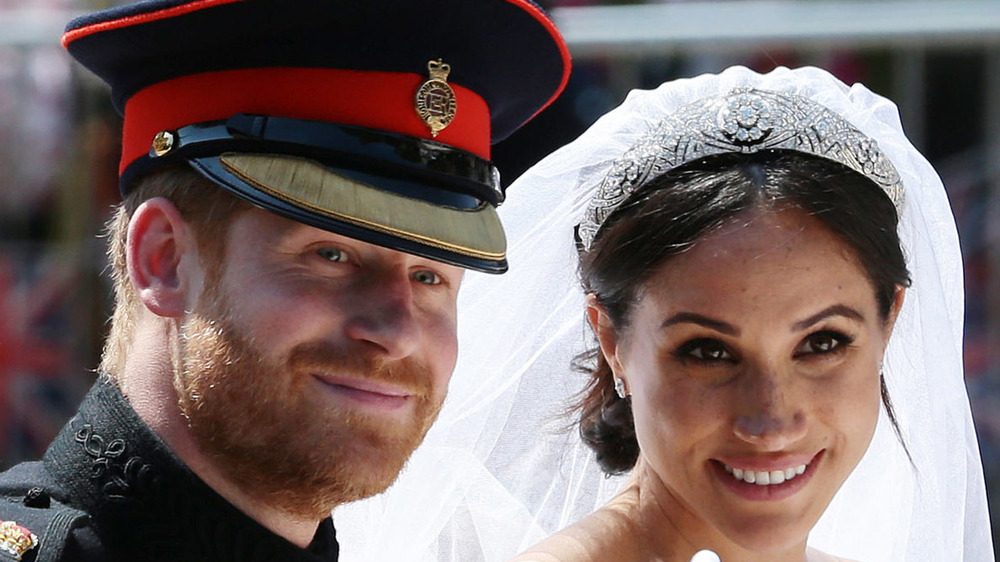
(766, 480)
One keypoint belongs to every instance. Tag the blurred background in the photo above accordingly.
(939, 60)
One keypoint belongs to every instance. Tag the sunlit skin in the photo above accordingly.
(352, 344)
(294, 284)
(759, 348)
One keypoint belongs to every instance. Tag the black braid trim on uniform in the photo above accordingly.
(145, 504)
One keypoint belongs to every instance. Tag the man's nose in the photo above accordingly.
(769, 416)
(384, 314)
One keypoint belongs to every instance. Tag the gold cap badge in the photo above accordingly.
(435, 100)
(15, 539)
(163, 143)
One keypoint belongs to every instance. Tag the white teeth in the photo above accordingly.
(765, 478)
(777, 476)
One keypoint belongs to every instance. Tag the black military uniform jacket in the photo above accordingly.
(109, 489)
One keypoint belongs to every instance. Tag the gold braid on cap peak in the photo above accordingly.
(745, 120)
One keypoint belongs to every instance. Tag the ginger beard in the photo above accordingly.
(262, 424)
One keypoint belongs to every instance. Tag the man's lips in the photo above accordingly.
(374, 393)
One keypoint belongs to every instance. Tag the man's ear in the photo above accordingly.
(162, 255)
(607, 337)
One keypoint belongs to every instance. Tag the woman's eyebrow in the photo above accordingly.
(693, 318)
(835, 310)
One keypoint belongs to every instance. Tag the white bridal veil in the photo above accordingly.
(500, 471)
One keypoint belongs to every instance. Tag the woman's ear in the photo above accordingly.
(159, 247)
(890, 318)
(607, 337)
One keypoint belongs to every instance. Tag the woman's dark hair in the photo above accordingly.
(675, 210)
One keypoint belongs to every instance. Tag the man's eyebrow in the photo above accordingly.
(694, 318)
(835, 310)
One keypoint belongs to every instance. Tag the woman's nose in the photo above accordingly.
(769, 416)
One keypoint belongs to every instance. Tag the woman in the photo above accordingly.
(742, 276)
(743, 282)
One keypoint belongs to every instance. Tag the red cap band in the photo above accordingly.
(379, 100)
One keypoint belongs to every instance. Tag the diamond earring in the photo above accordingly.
(620, 388)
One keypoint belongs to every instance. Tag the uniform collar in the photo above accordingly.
(143, 500)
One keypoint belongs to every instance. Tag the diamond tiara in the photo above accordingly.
(745, 120)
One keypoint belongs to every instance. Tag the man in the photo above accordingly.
(304, 182)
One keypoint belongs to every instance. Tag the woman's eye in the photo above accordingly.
(426, 277)
(333, 254)
(706, 350)
(824, 342)
(711, 352)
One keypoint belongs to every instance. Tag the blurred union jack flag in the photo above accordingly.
(38, 384)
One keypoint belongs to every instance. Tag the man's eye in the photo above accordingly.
(426, 277)
(333, 254)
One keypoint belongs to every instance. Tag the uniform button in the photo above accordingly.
(37, 497)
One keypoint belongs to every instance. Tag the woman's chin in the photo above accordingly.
(769, 537)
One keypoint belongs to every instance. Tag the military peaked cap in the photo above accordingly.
(368, 118)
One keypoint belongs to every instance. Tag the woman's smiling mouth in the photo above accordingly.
(765, 478)
(763, 483)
